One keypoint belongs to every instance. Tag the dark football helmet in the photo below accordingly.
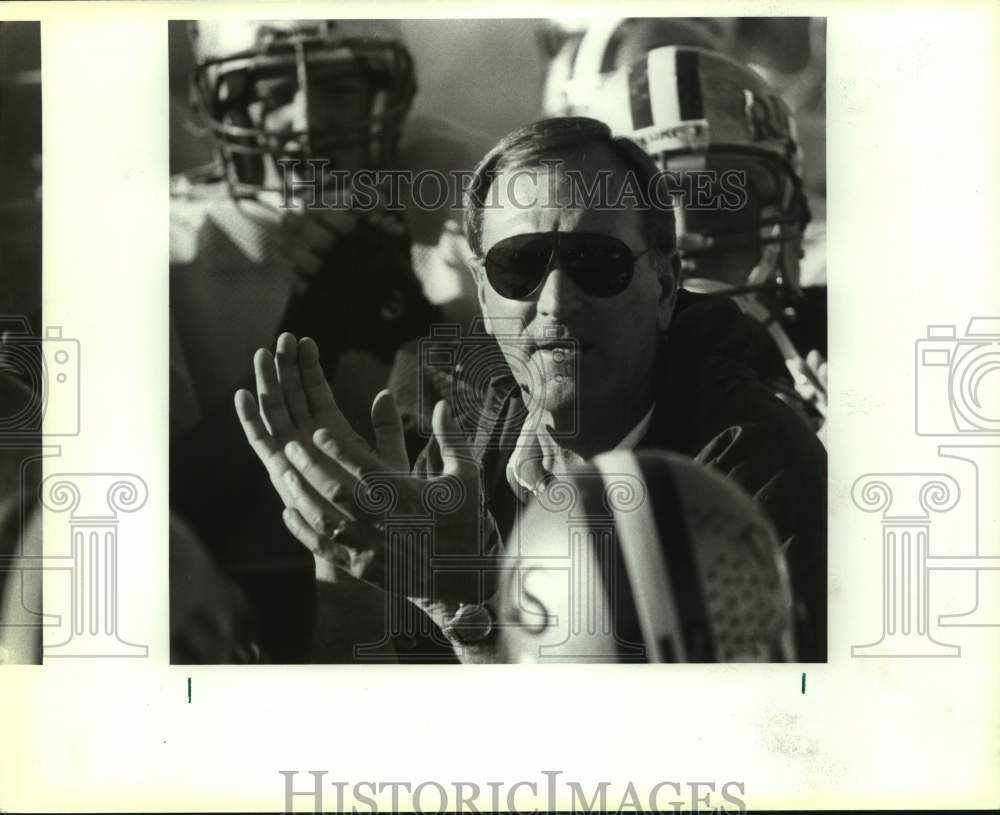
(334, 92)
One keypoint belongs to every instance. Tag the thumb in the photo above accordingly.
(451, 440)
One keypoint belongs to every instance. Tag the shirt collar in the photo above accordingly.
(635, 435)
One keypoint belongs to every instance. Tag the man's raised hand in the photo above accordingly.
(337, 489)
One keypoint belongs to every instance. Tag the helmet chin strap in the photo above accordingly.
(769, 269)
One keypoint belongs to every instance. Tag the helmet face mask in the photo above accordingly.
(299, 91)
(743, 226)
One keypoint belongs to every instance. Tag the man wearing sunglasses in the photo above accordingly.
(580, 292)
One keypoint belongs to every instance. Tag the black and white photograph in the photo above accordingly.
(28, 365)
(494, 353)
(479, 408)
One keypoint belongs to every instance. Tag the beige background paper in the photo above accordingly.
(913, 204)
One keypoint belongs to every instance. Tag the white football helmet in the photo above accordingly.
(582, 52)
(703, 116)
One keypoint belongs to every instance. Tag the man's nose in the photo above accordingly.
(559, 295)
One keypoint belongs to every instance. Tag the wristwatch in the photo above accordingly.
(472, 624)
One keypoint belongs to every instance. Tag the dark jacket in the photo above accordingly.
(710, 406)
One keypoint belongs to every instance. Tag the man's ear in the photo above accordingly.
(478, 267)
(669, 274)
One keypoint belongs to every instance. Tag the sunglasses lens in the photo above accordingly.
(600, 265)
(515, 266)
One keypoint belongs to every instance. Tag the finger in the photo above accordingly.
(814, 359)
(390, 445)
(263, 444)
(260, 439)
(322, 515)
(271, 401)
(334, 484)
(435, 464)
(321, 547)
(351, 454)
(303, 533)
(317, 389)
(806, 390)
(450, 439)
(287, 358)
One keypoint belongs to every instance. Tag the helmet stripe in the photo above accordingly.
(639, 99)
(689, 85)
(665, 103)
(653, 583)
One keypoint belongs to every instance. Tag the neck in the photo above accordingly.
(603, 429)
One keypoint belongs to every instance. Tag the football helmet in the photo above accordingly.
(644, 557)
(581, 53)
(351, 93)
(701, 113)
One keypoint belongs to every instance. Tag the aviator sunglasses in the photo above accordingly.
(600, 265)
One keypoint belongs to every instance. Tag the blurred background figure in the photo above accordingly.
(581, 53)
(244, 267)
(788, 52)
(21, 171)
(703, 116)
(244, 96)
(21, 370)
(644, 557)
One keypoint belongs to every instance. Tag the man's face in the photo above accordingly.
(714, 208)
(339, 96)
(592, 351)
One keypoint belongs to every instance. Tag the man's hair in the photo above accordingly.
(562, 138)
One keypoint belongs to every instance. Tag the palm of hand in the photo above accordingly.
(339, 492)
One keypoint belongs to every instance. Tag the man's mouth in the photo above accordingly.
(562, 349)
